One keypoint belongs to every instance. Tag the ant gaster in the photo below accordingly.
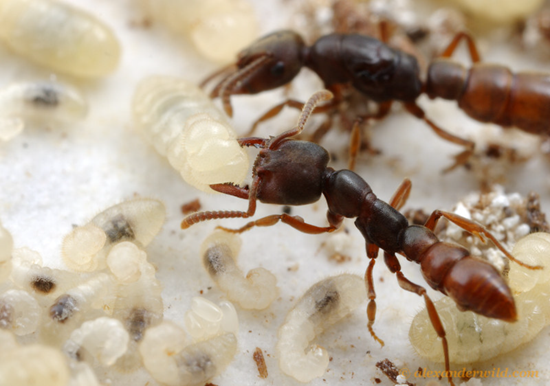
(292, 172)
(486, 92)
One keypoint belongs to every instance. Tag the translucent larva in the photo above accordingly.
(31, 365)
(507, 11)
(171, 361)
(219, 29)
(19, 312)
(6, 249)
(138, 221)
(183, 124)
(38, 103)
(206, 319)
(103, 339)
(255, 291)
(475, 338)
(59, 36)
(324, 304)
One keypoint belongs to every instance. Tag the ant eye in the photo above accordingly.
(278, 69)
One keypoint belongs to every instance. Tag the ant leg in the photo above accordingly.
(295, 222)
(395, 267)
(236, 191)
(476, 230)
(372, 253)
(313, 101)
(354, 142)
(401, 195)
(320, 132)
(276, 110)
(461, 158)
(474, 54)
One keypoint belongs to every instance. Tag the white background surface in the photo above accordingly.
(52, 179)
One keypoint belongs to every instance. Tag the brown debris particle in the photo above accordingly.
(339, 258)
(535, 218)
(191, 206)
(260, 362)
(392, 372)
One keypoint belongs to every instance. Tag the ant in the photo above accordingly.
(486, 92)
(293, 172)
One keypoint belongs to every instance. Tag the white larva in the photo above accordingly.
(173, 362)
(474, 338)
(138, 220)
(255, 291)
(59, 36)
(19, 312)
(6, 249)
(206, 319)
(183, 124)
(507, 11)
(38, 103)
(103, 339)
(219, 29)
(324, 304)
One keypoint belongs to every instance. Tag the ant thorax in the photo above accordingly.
(84, 47)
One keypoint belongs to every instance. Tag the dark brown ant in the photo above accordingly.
(292, 172)
(486, 92)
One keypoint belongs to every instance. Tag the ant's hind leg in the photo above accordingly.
(372, 253)
(395, 267)
(474, 54)
(475, 229)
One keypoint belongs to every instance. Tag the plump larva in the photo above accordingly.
(40, 103)
(104, 339)
(475, 338)
(31, 365)
(507, 11)
(206, 320)
(324, 304)
(183, 124)
(172, 362)
(256, 291)
(138, 220)
(219, 29)
(59, 36)
(19, 312)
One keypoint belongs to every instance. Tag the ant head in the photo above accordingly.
(283, 53)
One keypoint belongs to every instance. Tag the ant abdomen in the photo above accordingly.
(59, 36)
(183, 124)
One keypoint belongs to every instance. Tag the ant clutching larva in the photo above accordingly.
(486, 92)
(255, 291)
(474, 338)
(33, 364)
(38, 103)
(139, 220)
(218, 28)
(292, 172)
(324, 304)
(171, 360)
(183, 124)
(59, 36)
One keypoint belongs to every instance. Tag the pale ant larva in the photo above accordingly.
(475, 338)
(324, 304)
(59, 36)
(38, 103)
(255, 291)
(6, 249)
(218, 28)
(183, 124)
(139, 221)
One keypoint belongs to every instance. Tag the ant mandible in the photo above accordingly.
(292, 172)
(486, 92)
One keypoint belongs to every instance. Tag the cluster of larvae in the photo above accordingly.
(218, 29)
(60, 328)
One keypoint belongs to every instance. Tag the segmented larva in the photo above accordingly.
(255, 291)
(219, 29)
(42, 103)
(59, 36)
(205, 319)
(183, 124)
(138, 220)
(474, 338)
(324, 304)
